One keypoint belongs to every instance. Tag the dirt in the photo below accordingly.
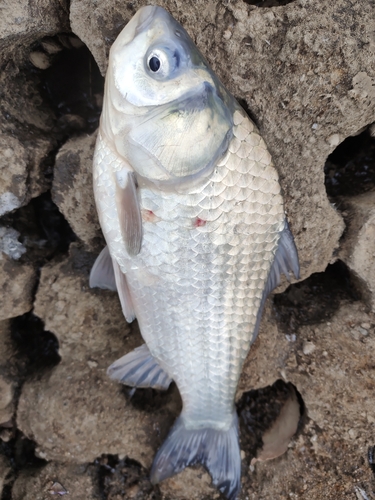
(304, 71)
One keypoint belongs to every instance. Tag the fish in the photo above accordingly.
(190, 205)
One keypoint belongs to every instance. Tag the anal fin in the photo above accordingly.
(139, 368)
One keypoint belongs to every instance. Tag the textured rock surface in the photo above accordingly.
(337, 380)
(23, 23)
(17, 281)
(26, 121)
(78, 482)
(26, 138)
(72, 190)
(5, 472)
(21, 170)
(358, 247)
(8, 381)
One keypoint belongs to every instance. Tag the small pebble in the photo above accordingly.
(353, 433)
(6, 435)
(308, 347)
(40, 60)
(133, 491)
(366, 326)
(356, 334)
(283, 374)
(57, 488)
(51, 46)
(227, 34)
(363, 331)
(334, 140)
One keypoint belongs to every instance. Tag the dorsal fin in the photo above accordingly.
(286, 259)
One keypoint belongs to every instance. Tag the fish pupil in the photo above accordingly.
(154, 64)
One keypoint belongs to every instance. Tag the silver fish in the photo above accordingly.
(190, 206)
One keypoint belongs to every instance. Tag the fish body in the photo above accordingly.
(190, 206)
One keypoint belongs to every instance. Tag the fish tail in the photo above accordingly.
(217, 450)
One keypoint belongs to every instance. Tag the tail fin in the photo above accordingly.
(218, 451)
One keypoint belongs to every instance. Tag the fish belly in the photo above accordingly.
(197, 283)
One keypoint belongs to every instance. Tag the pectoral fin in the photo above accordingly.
(102, 274)
(129, 211)
(139, 368)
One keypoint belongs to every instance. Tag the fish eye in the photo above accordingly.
(154, 64)
(162, 63)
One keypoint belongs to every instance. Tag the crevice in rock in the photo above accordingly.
(124, 478)
(151, 400)
(36, 348)
(268, 3)
(315, 299)
(251, 115)
(350, 168)
(71, 83)
(260, 409)
(44, 232)
(371, 458)
(20, 451)
(35, 351)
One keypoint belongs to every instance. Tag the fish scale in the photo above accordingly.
(188, 326)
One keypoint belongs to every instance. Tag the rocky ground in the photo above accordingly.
(305, 73)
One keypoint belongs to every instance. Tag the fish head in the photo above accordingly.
(154, 59)
(165, 110)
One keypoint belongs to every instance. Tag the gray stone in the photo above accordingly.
(358, 247)
(17, 282)
(72, 190)
(55, 480)
(24, 22)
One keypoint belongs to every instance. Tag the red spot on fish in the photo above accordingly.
(199, 222)
(149, 216)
